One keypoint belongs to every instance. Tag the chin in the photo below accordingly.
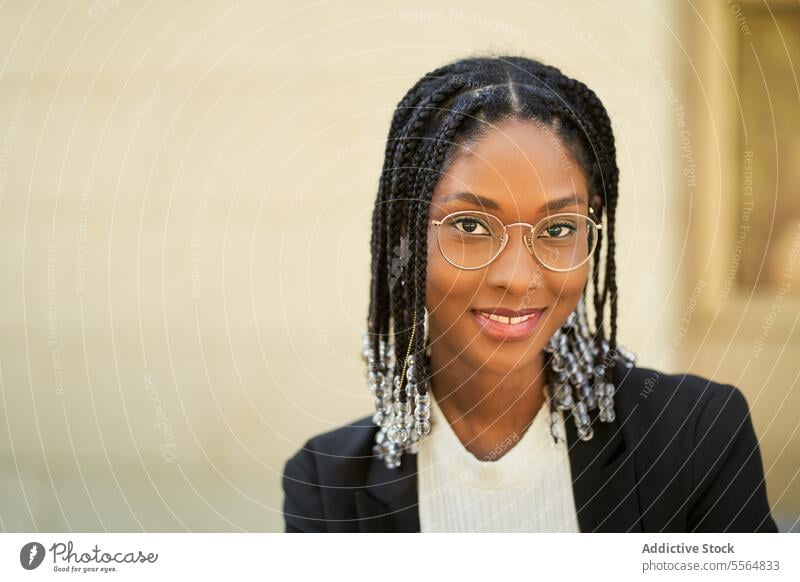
(508, 357)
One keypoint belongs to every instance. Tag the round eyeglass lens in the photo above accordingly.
(471, 240)
(564, 241)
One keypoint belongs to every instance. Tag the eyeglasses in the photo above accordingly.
(470, 240)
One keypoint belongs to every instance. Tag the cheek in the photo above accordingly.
(449, 291)
(568, 284)
(567, 289)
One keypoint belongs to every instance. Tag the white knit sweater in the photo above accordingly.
(527, 489)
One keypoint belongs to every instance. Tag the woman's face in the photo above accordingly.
(524, 173)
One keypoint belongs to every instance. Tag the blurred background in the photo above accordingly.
(185, 201)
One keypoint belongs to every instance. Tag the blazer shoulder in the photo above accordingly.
(690, 429)
(326, 454)
(327, 463)
(349, 439)
(652, 396)
(663, 416)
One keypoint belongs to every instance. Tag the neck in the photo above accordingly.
(485, 402)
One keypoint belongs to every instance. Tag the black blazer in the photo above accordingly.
(681, 456)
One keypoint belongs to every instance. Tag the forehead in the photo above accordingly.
(520, 164)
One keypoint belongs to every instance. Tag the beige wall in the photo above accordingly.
(745, 334)
(185, 199)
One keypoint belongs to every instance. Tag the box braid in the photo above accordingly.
(414, 104)
(452, 106)
(587, 100)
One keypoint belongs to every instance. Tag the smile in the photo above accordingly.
(504, 328)
(508, 320)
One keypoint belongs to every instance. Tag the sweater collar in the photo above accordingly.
(514, 461)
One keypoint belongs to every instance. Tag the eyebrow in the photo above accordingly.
(488, 203)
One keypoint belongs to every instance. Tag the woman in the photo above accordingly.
(497, 407)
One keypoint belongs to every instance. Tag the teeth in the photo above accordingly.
(507, 320)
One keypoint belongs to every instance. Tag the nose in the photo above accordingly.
(516, 270)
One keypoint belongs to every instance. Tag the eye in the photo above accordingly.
(561, 229)
(472, 225)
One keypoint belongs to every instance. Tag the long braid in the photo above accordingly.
(409, 157)
(383, 215)
(611, 273)
(378, 319)
(610, 180)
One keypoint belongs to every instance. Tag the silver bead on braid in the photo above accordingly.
(400, 427)
(576, 383)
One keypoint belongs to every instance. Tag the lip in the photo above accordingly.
(509, 312)
(508, 332)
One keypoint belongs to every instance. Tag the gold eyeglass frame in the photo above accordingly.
(527, 238)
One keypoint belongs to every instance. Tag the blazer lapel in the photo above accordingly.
(604, 480)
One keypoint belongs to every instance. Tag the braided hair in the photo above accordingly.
(457, 103)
